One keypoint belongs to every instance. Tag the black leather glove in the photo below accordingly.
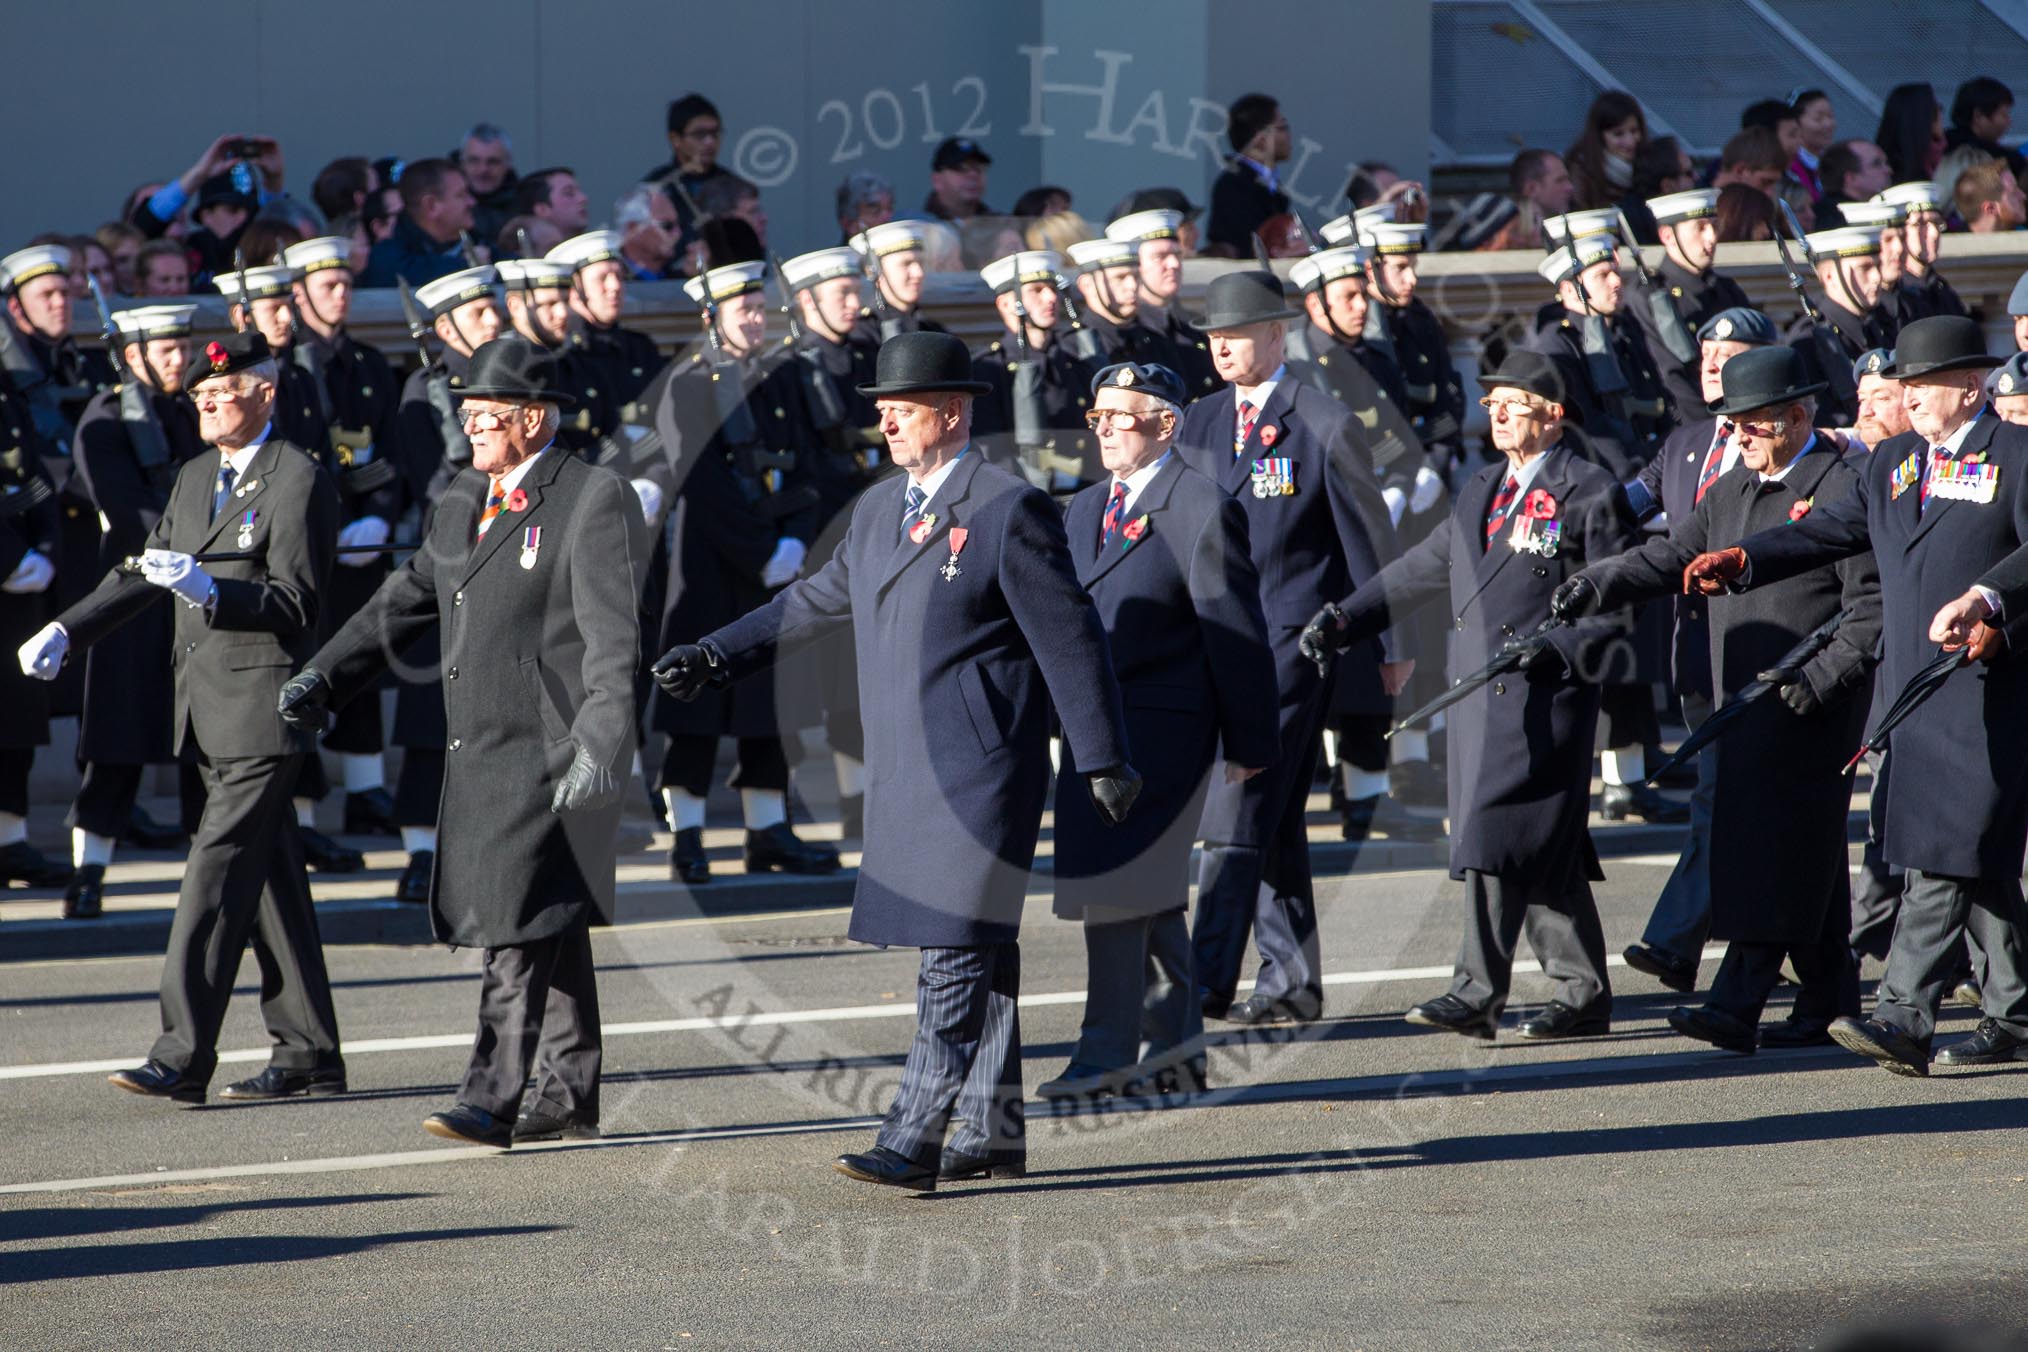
(1574, 600)
(687, 668)
(1323, 638)
(587, 783)
(305, 701)
(1539, 654)
(1114, 791)
(1796, 691)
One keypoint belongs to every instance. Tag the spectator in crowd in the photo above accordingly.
(1989, 198)
(1778, 117)
(486, 158)
(1057, 231)
(958, 181)
(266, 236)
(343, 185)
(1817, 122)
(161, 268)
(1954, 163)
(436, 206)
(554, 195)
(1911, 132)
(731, 197)
(1371, 180)
(90, 259)
(1541, 187)
(381, 211)
(1662, 167)
(646, 220)
(1752, 157)
(865, 200)
(542, 236)
(157, 210)
(1982, 113)
(173, 226)
(695, 133)
(353, 227)
(986, 238)
(1745, 215)
(1850, 171)
(1046, 200)
(1601, 160)
(225, 204)
(121, 243)
(1249, 191)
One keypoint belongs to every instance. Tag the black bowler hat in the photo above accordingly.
(1764, 378)
(1939, 343)
(1142, 378)
(1237, 299)
(923, 363)
(1530, 371)
(231, 352)
(516, 370)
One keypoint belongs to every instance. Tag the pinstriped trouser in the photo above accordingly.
(966, 1055)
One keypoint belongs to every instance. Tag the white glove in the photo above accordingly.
(177, 572)
(1429, 486)
(1397, 503)
(33, 574)
(42, 656)
(367, 530)
(650, 494)
(781, 570)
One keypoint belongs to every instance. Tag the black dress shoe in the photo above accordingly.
(1795, 1032)
(1665, 967)
(1417, 784)
(475, 1126)
(414, 884)
(1966, 994)
(22, 863)
(85, 897)
(1716, 1027)
(1452, 1014)
(852, 816)
(145, 833)
(1683, 776)
(1558, 1020)
(370, 812)
(547, 1124)
(1259, 1009)
(1171, 1081)
(1883, 1042)
(776, 848)
(1082, 1081)
(326, 855)
(1621, 801)
(687, 861)
(154, 1079)
(888, 1167)
(958, 1167)
(274, 1083)
(1992, 1045)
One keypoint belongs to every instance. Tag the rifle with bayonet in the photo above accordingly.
(820, 392)
(1033, 456)
(891, 324)
(1084, 344)
(1831, 359)
(469, 250)
(1670, 326)
(436, 378)
(137, 404)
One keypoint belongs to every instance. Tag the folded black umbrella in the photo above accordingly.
(1769, 681)
(1510, 658)
(132, 563)
(1919, 688)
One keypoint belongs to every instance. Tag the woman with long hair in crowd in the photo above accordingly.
(1745, 214)
(1911, 131)
(1601, 160)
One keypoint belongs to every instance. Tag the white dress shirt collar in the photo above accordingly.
(1139, 480)
(935, 481)
(242, 459)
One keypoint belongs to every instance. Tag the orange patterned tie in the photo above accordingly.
(496, 498)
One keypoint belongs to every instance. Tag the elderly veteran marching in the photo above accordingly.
(1163, 552)
(1519, 746)
(242, 622)
(1938, 507)
(1779, 883)
(529, 571)
(969, 623)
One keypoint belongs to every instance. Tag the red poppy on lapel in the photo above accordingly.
(1135, 529)
(1799, 509)
(517, 501)
(1268, 435)
(1538, 505)
(920, 531)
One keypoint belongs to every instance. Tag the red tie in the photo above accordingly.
(1247, 413)
(1116, 507)
(1712, 460)
(1503, 503)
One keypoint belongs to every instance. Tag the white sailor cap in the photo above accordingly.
(1405, 238)
(1567, 262)
(1579, 224)
(1138, 227)
(445, 294)
(1328, 265)
(734, 279)
(1358, 227)
(1380, 213)
(821, 265)
(1688, 205)
(264, 283)
(314, 255)
(1030, 265)
(154, 321)
(1088, 255)
(581, 251)
(1872, 212)
(890, 237)
(532, 274)
(37, 260)
(1915, 198)
(1852, 241)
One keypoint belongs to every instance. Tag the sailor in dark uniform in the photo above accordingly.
(1403, 323)
(1032, 419)
(1158, 232)
(1689, 294)
(1107, 276)
(1847, 263)
(897, 272)
(538, 308)
(598, 293)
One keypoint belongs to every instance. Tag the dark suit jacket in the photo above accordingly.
(231, 664)
(1957, 802)
(1180, 600)
(1240, 204)
(956, 675)
(1670, 479)
(539, 651)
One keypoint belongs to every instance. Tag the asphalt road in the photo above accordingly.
(1362, 1184)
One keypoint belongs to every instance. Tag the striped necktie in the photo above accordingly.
(1937, 456)
(1116, 507)
(496, 498)
(911, 510)
(1713, 460)
(226, 478)
(1503, 506)
(1247, 413)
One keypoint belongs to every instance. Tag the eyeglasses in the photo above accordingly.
(1124, 419)
(1754, 427)
(1516, 408)
(482, 419)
